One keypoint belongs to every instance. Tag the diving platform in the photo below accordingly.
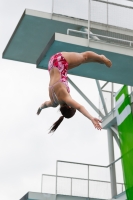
(39, 35)
(45, 196)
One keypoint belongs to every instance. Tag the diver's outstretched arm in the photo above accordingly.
(71, 102)
(46, 104)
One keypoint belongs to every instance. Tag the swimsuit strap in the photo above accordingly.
(55, 83)
(55, 99)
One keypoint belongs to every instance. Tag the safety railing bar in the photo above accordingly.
(111, 38)
(64, 177)
(92, 34)
(115, 4)
(91, 164)
(81, 179)
(97, 165)
(80, 163)
(48, 175)
(76, 31)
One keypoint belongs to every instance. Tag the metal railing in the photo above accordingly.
(98, 37)
(101, 16)
(71, 183)
(115, 4)
(64, 184)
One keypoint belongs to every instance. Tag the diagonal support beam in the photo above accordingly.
(85, 97)
(101, 96)
(115, 131)
(104, 85)
(115, 134)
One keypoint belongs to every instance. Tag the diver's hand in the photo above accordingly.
(96, 122)
(38, 111)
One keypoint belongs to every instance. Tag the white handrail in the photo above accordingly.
(115, 4)
(100, 181)
(75, 31)
(92, 34)
(130, 42)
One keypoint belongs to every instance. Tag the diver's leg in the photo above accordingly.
(90, 56)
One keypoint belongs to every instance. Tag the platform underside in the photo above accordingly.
(37, 37)
(46, 196)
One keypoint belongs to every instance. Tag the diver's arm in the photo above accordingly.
(46, 104)
(71, 102)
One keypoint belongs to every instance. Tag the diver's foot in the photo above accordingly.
(106, 61)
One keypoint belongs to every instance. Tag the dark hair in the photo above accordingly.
(66, 112)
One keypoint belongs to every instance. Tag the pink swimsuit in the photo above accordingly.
(61, 64)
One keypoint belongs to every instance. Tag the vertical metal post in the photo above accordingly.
(52, 8)
(101, 96)
(110, 144)
(71, 186)
(107, 15)
(112, 96)
(131, 98)
(41, 182)
(88, 181)
(56, 178)
(111, 159)
(131, 89)
(89, 18)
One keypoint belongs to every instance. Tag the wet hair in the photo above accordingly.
(66, 112)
